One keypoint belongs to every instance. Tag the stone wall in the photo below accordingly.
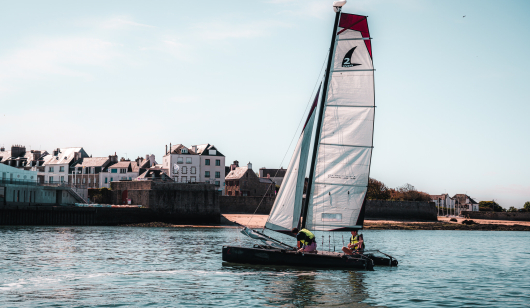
(245, 205)
(179, 202)
(517, 216)
(375, 209)
(400, 210)
(76, 216)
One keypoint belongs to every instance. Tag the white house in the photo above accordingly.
(212, 165)
(56, 167)
(443, 200)
(465, 202)
(198, 163)
(182, 164)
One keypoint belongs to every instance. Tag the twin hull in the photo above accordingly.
(266, 256)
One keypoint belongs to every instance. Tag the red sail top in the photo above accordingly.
(357, 23)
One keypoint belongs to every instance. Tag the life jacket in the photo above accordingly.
(308, 235)
(355, 240)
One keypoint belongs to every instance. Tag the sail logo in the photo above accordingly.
(346, 62)
(342, 176)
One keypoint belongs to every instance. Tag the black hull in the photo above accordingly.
(324, 259)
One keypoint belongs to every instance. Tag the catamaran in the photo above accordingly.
(340, 160)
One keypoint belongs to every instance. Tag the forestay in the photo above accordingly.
(345, 146)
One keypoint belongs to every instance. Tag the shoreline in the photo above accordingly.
(443, 223)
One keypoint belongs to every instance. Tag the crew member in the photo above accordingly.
(305, 240)
(356, 243)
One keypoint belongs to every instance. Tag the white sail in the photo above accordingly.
(345, 147)
(285, 213)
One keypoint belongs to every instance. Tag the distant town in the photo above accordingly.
(77, 172)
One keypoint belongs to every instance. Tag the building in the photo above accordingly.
(19, 187)
(154, 174)
(212, 166)
(182, 164)
(276, 175)
(443, 200)
(242, 181)
(58, 166)
(18, 157)
(87, 171)
(124, 170)
(198, 163)
(463, 202)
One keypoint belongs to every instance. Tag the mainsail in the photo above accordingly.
(286, 211)
(344, 144)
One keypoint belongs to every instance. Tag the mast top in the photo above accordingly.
(337, 5)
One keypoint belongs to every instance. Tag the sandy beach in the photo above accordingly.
(443, 223)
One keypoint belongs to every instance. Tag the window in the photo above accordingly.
(184, 179)
(130, 179)
(105, 180)
(193, 179)
(217, 174)
(180, 160)
(207, 162)
(88, 180)
(113, 170)
(111, 179)
(62, 179)
(78, 179)
(184, 169)
(188, 160)
(206, 174)
(84, 180)
(50, 169)
(123, 178)
(193, 170)
(217, 183)
(51, 179)
(218, 162)
(184, 151)
(61, 169)
(123, 170)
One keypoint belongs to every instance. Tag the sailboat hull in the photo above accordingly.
(324, 259)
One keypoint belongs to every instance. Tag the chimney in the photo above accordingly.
(146, 156)
(170, 147)
(166, 148)
(194, 148)
(249, 165)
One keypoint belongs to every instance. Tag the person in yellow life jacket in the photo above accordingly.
(306, 240)
(356, 243)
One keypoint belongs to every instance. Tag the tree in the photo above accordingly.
(526, 206)
(490, 206)
(512, 209)
(408, 192)
(377, 190)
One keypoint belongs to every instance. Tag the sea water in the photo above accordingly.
(179, 267)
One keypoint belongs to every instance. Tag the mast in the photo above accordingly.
(320, 115)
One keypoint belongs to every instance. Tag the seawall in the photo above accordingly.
(375, 209)
(514, 216)
(75, 216)
(400, 210)
(179, 202)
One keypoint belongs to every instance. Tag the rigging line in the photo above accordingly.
(294, 136)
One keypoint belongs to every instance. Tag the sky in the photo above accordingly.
(451, 81)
